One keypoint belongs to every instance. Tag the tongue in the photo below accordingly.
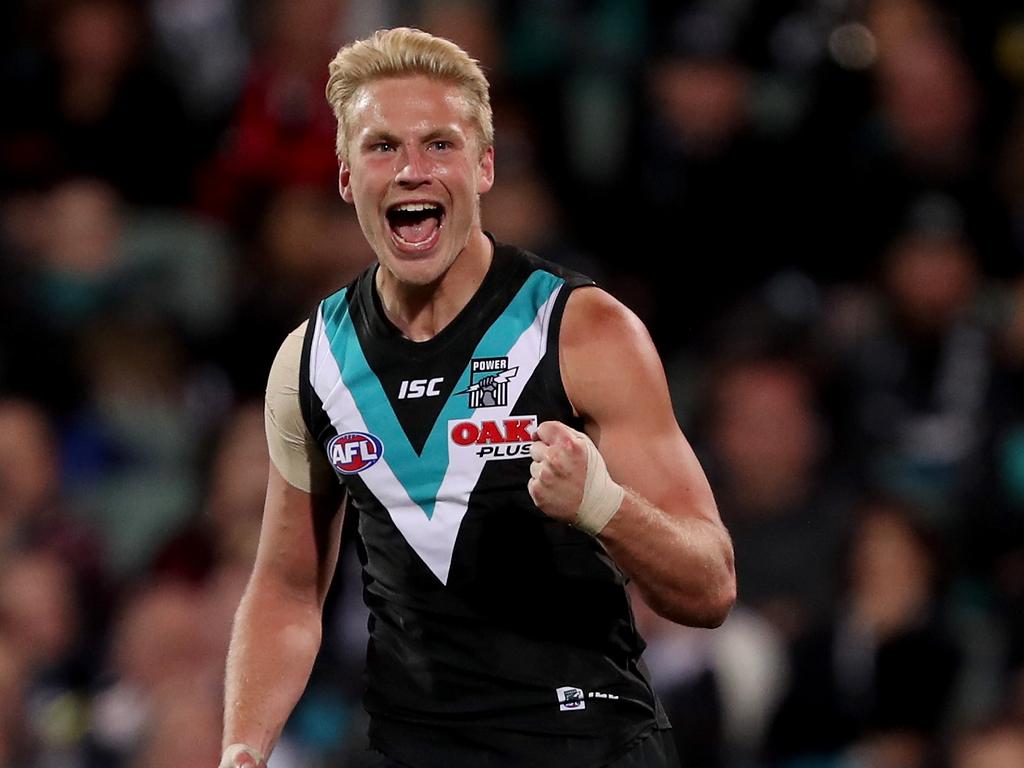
(418, 231)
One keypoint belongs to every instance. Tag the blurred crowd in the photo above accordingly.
(817, 207)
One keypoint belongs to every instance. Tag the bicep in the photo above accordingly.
(299, 540)
(615, 379)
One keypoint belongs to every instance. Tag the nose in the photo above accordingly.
(414, 168)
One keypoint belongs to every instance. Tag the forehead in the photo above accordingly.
(414, 103)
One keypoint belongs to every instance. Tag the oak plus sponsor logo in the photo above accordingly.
(488, 382)
(492, 438)
(352, 452)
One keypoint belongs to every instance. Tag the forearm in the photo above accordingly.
(683, 566)
(274, 643)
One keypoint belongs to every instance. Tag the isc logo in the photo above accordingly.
(352, 452)
(412, 389)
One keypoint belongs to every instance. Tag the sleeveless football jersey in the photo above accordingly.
(498, 636)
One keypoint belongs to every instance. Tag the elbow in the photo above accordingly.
(711, 610)
(722, 596)
(708, 609)
(718, 604)
(712, 606)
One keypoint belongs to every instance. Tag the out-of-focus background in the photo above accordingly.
(817, 206)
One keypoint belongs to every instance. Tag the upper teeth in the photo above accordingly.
(416, 207)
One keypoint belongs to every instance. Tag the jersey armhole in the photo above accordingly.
(307, 396)
(552, 358)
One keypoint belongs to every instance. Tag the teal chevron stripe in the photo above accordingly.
(422, 474)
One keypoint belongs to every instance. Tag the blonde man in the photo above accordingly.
(503, 431)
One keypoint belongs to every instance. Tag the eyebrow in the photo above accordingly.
(444, 132)
(375, 136)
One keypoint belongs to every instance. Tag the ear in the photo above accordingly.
(345, 181)
(486, 179)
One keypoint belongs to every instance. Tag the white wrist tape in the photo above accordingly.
(602, 496)
(232, 751)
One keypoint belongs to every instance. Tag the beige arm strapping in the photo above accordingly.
(299, 460)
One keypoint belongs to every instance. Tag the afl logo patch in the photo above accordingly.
(352, 452)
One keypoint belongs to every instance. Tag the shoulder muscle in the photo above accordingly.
(607, 356)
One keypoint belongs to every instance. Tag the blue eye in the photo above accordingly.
(382, 146)
(441, 145)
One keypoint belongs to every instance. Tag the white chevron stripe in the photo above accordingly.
(432, 538)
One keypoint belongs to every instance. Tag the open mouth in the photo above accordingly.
(415, 226)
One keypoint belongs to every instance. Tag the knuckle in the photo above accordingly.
(558, 461)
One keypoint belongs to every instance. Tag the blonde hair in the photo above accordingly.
(400, 52)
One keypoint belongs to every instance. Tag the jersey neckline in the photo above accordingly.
(380, 325)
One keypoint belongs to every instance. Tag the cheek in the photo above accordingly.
(364, 195)
(442, 172)
(463, 182)
(366, 215)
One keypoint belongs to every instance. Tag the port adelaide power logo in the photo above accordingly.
(488, 382)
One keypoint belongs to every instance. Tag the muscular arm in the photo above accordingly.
(277, 629)
(666, 534)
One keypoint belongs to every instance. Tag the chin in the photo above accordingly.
(419, 271)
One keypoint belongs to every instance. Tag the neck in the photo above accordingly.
(420, 312)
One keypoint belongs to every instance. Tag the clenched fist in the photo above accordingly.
(569, 480)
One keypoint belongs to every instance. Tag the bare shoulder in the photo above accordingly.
(605, 353)
(592, 313)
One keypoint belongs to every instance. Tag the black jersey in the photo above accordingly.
(498, 636)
